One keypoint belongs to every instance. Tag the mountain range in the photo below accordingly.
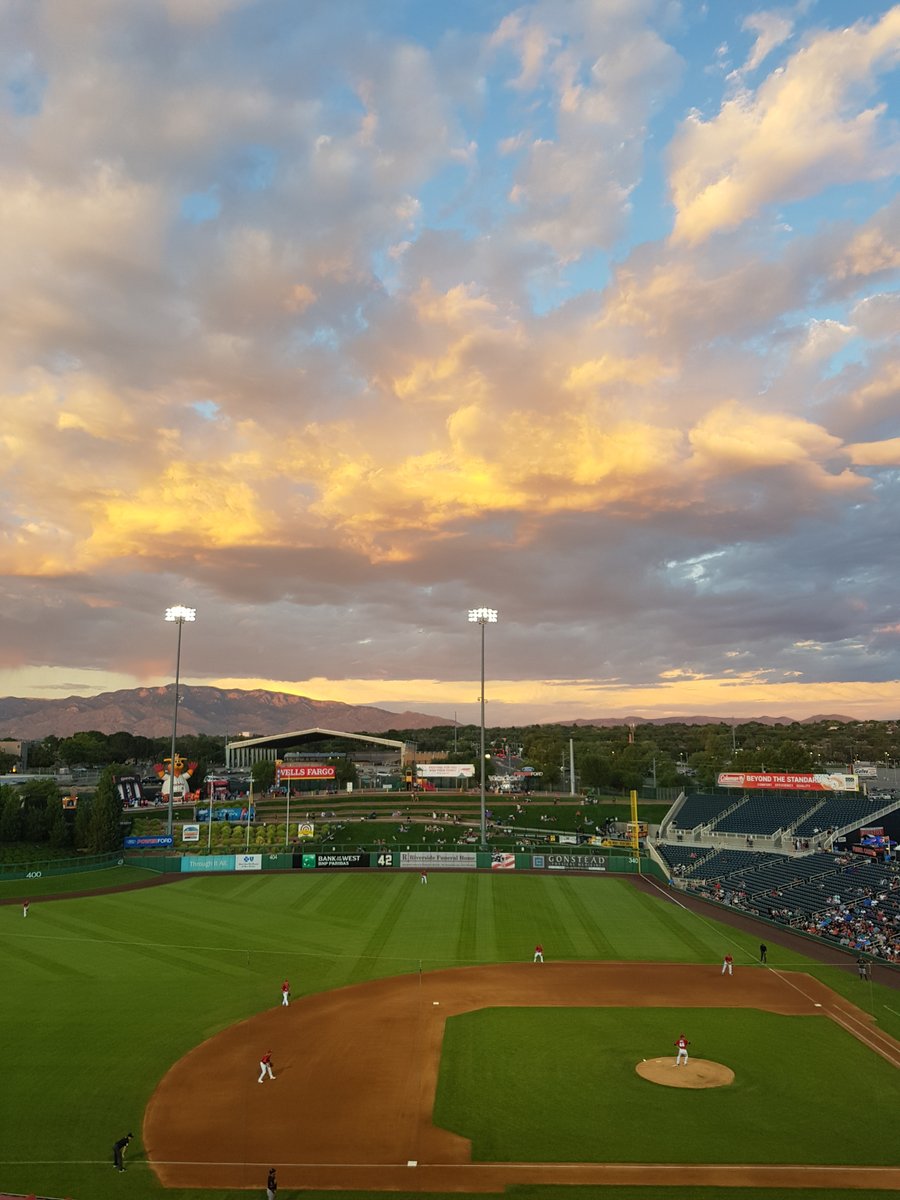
(148, 712)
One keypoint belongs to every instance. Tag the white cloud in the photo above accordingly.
(772, 29)
(803, 130)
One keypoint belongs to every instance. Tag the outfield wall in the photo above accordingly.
(40, 869)
(398, 860)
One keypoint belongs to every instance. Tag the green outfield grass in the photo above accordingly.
(101, 995)
(82, 881)
(559, 1085)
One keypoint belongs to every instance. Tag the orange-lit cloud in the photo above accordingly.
(338, 331)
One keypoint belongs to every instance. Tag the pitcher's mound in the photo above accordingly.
(696, 1073)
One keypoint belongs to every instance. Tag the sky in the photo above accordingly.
(334, 320)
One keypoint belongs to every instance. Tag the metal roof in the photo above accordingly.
(281, 741)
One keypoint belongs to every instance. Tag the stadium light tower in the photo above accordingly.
(179, 614)
(482, 617)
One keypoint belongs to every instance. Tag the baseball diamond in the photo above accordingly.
(330, 1127)
(423, 1051)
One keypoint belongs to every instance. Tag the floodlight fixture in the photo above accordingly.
(179, 613)
(483, 616)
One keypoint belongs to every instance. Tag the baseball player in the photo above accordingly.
(265, 1066)
(424, 877)
(285, 994)
(119, 1151)
(728, 964)
(271, 1185)
(539, 953)
(25, 904)
(682, 1056)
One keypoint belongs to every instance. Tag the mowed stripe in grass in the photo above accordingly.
(101, 995)
(559, 1085)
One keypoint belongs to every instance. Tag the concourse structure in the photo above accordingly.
(312, 744)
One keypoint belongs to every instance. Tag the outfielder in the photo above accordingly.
(682, 1056)
(285, 994)
(265, 1066)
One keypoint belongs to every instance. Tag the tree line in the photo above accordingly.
(33, 812)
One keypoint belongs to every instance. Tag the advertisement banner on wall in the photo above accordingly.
(445, 770)
(788, 782)
(503, 862)
(248, 862)
(339, 862)
(190, 833)
(285, 771)
(422, 860)
(306, 829)
(207, 862)
(134, 843)
(576, 862)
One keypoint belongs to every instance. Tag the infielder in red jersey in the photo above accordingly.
(539, 953)
(682, 1055)
(265, 1066)
(728, 964)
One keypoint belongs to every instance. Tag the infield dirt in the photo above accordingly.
(356, 1074)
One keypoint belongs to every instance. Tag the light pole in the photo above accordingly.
(179, 614)
(482, 617)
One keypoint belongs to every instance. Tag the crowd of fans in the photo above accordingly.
(862, 915)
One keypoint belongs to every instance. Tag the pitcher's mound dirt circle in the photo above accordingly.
(695, 1073)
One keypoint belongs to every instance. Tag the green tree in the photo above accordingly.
(106, 813)
(345, 772)
(84, 749)
(83, 822)
(11, 816)
(263, 774)
(60, 828)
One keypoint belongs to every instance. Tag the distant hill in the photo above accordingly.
(614, 722)
(147, 712)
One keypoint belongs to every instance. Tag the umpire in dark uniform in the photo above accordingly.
(119, 1151)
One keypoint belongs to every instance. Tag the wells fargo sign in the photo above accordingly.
(303, 771)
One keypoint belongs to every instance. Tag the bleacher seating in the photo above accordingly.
(724, 863)
(700, 809)
(838, 812)
(763, 815)
(685, 858)
(846, 899)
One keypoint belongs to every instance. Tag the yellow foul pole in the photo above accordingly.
(635, 832)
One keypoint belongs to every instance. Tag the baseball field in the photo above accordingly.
(423, 1052)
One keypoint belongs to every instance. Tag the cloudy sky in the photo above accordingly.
(335, 319)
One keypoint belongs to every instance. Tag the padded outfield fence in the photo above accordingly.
(551, 860)
(41, 868)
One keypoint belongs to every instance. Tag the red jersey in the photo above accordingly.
(539, 949)
(728, 958)
(267, 1057)
(682, 1043)
(285, 987)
